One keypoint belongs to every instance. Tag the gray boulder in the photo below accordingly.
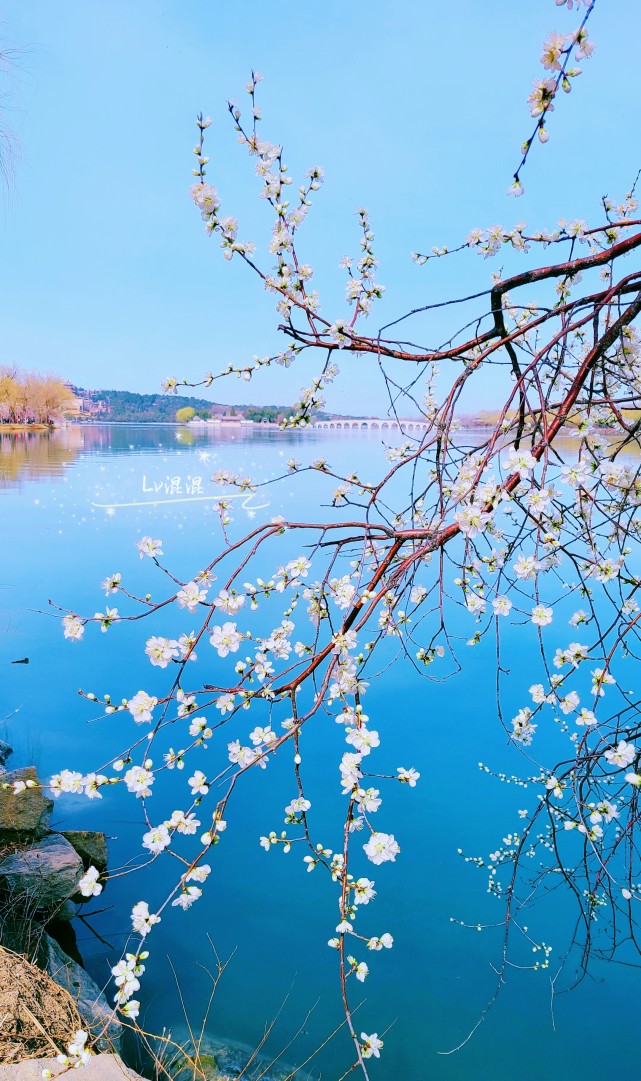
(182, 1068)
(5, 752)
(105, 1029)
(100, 1068)
(68, 910)
(40, 878)
(90, 846)
(26, 814)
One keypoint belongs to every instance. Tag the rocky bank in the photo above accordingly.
(40, 869)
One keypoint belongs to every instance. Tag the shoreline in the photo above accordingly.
(11, 429)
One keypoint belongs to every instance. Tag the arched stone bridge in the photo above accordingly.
(373, 424)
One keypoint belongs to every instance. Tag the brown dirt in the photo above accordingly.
(37, 1017)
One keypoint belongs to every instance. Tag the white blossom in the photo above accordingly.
(89, 885)
(147, 546)
(622, 755)
(73, 628)
(141, 707)
(226, 639)
(157, 839)
(381, 847)
(191, 595)
(161, 651)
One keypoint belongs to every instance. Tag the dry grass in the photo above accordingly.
(9, 848)
(38, 1018)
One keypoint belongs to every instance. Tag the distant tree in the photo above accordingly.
(9, 394)
(47, 398)
(28, 397)
(264, 412)
(185, 414)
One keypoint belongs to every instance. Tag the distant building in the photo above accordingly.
(91, 408)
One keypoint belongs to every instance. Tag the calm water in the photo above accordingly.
(72, 506)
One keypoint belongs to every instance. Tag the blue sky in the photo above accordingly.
(415, 110)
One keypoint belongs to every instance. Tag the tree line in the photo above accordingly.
(33, 398)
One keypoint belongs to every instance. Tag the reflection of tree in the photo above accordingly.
(34, 455)
(139, 438)
(29, 455)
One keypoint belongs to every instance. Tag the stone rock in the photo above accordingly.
(207, 1070)
(27, 814)
(40, 878)
(5, 752)
(67, 911)
(223, 1060)
(91, 847)
(96, 1012)
(101, 1068)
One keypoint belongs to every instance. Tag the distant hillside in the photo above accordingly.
(125, 405)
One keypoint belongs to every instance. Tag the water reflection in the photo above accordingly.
(81, 527)
(38, 455)
(26, 455)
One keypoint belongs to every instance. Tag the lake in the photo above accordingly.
(73, 504)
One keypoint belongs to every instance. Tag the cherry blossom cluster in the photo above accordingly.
(525, 530)
(559, 52)
(76, 1055)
